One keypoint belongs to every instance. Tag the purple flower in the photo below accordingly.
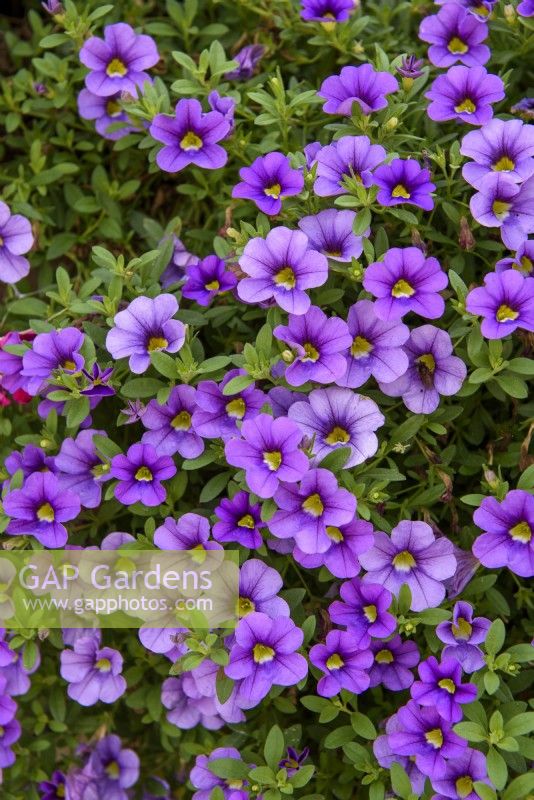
(441, 687)
(404, 181)
(106, 111)
(16, 238)
(410, 69)
(363, 609)
(346, 544)
(207, 279)
(500, 146)
(115, 768)
(502, 203)
(31, 459)
(317, 344)
(428, 737)
(310, 153)
(306, 512)
(118, 62)
(432, 371)
(8, 707)
(460, 776)
(293, 760)
(224, 105)
(169, 426)
(53, 789)
(190, 532)
(526, 8)
(181, 258)
(98, 382)
(93, 673)
(376, 347)
(146, 326)
(204, 780)
(139, 474)
(52, 6)
(218, 415)
(80, 469)
(326, 11)
(465, 94)
(351, 157)
(336, 417)
(247, 59)
(11, 377)
(506, 301)
(393, 662)
(406, 281)
(330, 232)
(268, 452)
(411, 555)
(362, 85)
(264, 656)
(524, 108)
(190, 137)
(455, 35)
(523, 262)
(239, 521)
(508, 538)
(386, 756)
(9, 733)
(57, 350)
(258, 589)
(191, 700)
(343, 664)
(40, 508)
(281, 266)
(479, 8)
(267, 181)
(462, 635)
(133, 412)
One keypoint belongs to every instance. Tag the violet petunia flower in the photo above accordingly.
(269, 452)
(219, 415)
(239, 521)
(508, 538)
(54, 787)
(57, 350)
(259, 585)
(432, 371)
(502, 203)
(326, 11)
(336, 417)
(506, 302)
(293, 760)
(181, 258)
(93, 672)
(406, 281)
(190, 137)
(393, 663)
(386, 756)
(16, 238)
(139, 474)
(403, 180)
(363, 610)
(341, 558)
(526, 8)
(267, 181)
(80, 469)
(118, 62)
(99, 380)
(9, 733)
(190, 532)
(224, 105)
(30, 459)
(169, 427)
(440, 686)
(305, 512)
(11, 377)
(504, 146)
(481, 9)
(522, 261)
(191, 700)
(247, 60)
(462, 635)
(106, 111)
(461, 774)
(145, 327)
(40, 508)
(342, 662)
(524, 108)
(114, 768)
(465, 94)
(413, 556)
(281, 267)
(205, 781)
(376, 347)
(362, 85)
(264, 655)
(316, 344)
(207, 279)
(350, 157)
(330, 232)
(410, 70)
(455, 35)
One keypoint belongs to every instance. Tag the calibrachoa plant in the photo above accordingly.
(267, 276)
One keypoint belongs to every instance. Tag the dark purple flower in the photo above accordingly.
(363, 609)
(330, 232)
(53, 789)
(204, 780)
(93, 672)
(346, 544)
(349, 158)
(294, 760)
(281, 266)
(139, 474)
(362, 85)
(465, 94)
(169, 426)
(523, 262)
(258, 591)
(218, 415)
(80, 468)
(31, 459)
(403, 180)
(441, 687)
(207, 279)
(239, 521)
(190, 137)
(411, 555)
(115, 768)
(460, 777)
(264, 656)
(16, 238)
(410, 69)
(326, 11)
(98, 382)
(181, 258)
(224, 105)
(393, 663)
(462, 635)
(106, 111)
(455, 35)
(268, 452)
(508, 538)
(505, 146)
(146, 326)
(268, 180)
(506, 301)
(502, 203)
(317, 344)
(190, 532)
(432, 371)
(118, 62)
(247, 59)
(343, 664)
(406, 281)
(57, 350)
(40, 508)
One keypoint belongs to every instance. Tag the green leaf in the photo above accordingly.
(520, 787)
(335, 460)
(400, 781)
(164, 364)
(302, 776)
(273, 749)
(141, 387)
(471, 731)
(491, 682)
(405, 599)
(495, 637)
(214, 487)
(363, 725)
(520, 724)
(230, 768)
(263, 775)
(497, 769)
(339, 737)
(237, 384)
(28, 307)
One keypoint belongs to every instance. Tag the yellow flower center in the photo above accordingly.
(116, 68)
(68, 364)
(143, 474)
(273, 459)
(526, 265)
(191, 141)
(236, 408)
(463, 629)
(428, 361)
(246, 522)
(311, 353)
(448, 685)
(46, 513)
(313, 505)
(157, 343)
(99, 470)
(103, 664)
(504, 164)
(273, 191)
(262, 653)
(456, 46)
(245, 606)
(402, 289)
(465, 107)
(60, 790)
(521, 532)
(285, 278)
(401, 191)
(464, 786)
(335, 662)
(212, 286)
(360, 347)
(234, 783)
(182, 421)
(337, 436)
(334, 533)
(333, 253)
(384, 657)
(113, 770)
(506, 314)
(370, 613)
(501, 209)
(435, 738)
(113, 108)
(404, 561)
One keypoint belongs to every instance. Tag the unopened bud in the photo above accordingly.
(466, 240)
(288, 356)
(510, 14)
(391, 124)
